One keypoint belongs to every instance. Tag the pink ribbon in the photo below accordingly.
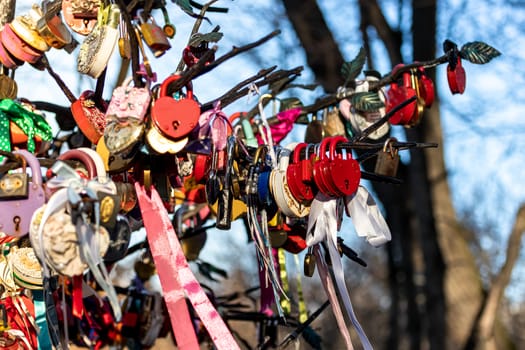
(286, 120)
(176, 278)
(215, 123)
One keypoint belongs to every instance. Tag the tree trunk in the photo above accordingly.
(461, 282)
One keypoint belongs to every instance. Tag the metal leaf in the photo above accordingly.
(184, 5)
(289, 103)
(198, 38)
(478, 52)
(366, 101)
(350, 70)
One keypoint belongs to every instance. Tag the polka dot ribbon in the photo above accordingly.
(32, 124)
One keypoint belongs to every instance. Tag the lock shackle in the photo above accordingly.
(84, 158)
(387, 147)
(262, 152)
(322, 148)
(297, 152)
(29, 159)
(333, 143)
(164, 87)
(141, 17)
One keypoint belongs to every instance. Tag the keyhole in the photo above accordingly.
(16, 220)
(347, 183)
(176, 124)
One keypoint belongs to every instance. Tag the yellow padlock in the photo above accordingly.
(153, 35)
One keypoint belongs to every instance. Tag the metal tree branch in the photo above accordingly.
(201, 68)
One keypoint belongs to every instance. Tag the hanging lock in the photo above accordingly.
(8, 86)
(124, 46)
(168, 28)
(299, 175)
(175, 118)
(225, 199)
(456, 77)
(309, 263)
(398, 93)
(387, 159)
(153, 35)
(14, 185)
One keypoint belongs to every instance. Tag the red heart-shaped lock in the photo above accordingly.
(89, 118)
(175, 118)
(426, 87)
(457, 79)
(398, 94)
(344, 174)
(320, 166)
(302, 191)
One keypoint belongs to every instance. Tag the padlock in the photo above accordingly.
(50, 26)
(456, 77)
(192, 54)
(7, 59)
(18, 47)
(80, 15)
(175, 118)
(124, 45)
(287, 203)
(213, 184)
(153, 35)
(387, 159)
(15, 215)
(8, 86)
(15, 185)
(426, 89)
(397, 94)
(342, 175)
(314, 131)
(225, 199)
(277, 233)
(168, 28)
(319, 166)
(296, 174)
(309, 263)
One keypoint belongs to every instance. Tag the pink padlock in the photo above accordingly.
(18, 47)
(15, 214)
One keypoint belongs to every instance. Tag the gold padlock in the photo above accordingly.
(153, 35)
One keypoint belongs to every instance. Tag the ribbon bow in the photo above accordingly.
(32, 124)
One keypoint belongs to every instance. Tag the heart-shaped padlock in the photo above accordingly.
(319, 166)
(426, 87)
(89, 118)
(344, 174)
(175, 118)
(280, 189)
(398, 94)
(80, 15)
(117, 162)
(456, 77)
(298, 175)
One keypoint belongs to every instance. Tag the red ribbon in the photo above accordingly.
(78, 303)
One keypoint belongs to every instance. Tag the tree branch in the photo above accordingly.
(490, 307)
(201, 68)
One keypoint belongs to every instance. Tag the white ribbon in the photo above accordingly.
(367, 218)
(323, 224)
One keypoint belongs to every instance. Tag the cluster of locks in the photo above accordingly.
(153, 157)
